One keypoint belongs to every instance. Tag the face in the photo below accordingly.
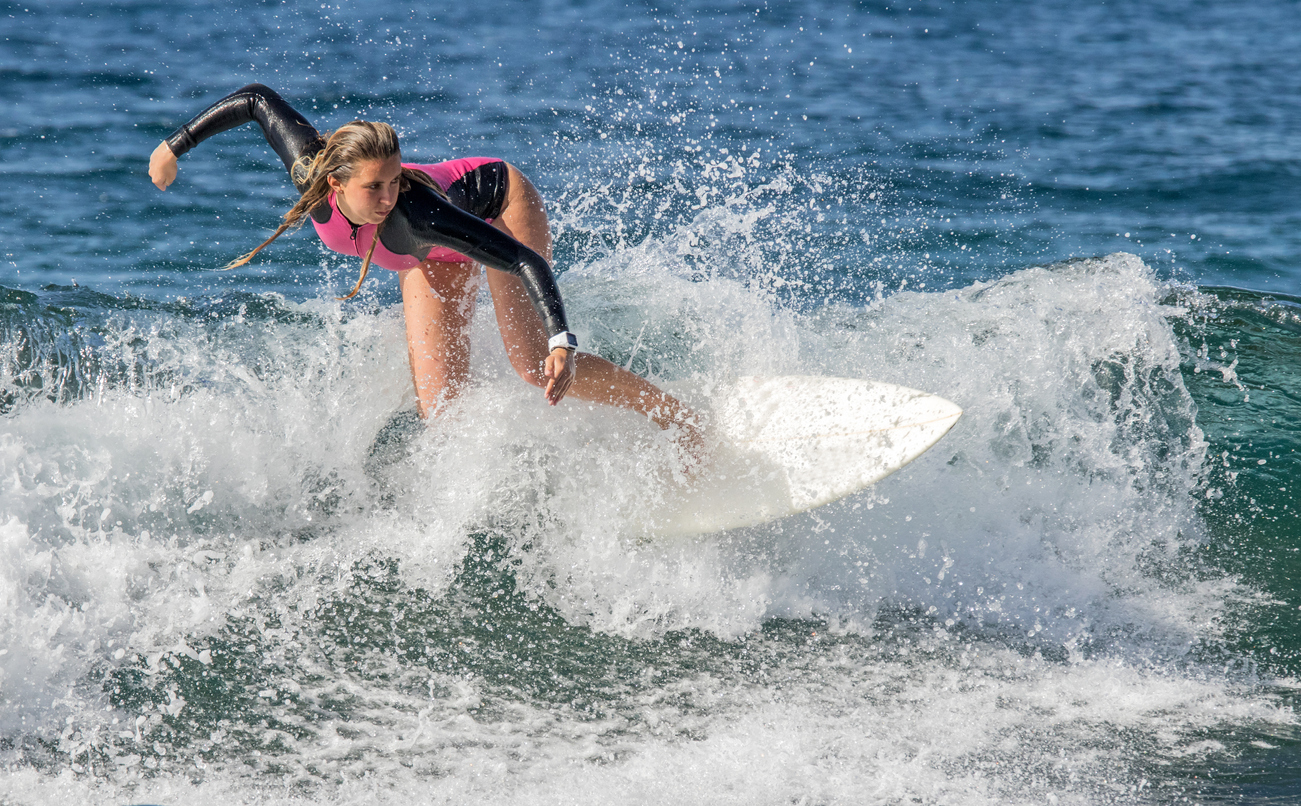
(371, 192)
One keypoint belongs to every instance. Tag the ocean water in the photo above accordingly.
(235, 570)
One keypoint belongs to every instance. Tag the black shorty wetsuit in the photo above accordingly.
(422, 219)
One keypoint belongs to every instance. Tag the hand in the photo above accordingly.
(559, 370)
(162, 166)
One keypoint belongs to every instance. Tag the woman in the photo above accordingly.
(433, 224)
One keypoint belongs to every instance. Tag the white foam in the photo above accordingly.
(1074, 465)
(1037, 544)
(976, 726)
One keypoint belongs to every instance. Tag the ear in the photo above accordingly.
(334, 183)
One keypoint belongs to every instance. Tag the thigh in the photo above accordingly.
(438, 304)
(519, 324)
(524, 214)
(440, 292)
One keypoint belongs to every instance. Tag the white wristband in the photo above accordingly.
(563, 339)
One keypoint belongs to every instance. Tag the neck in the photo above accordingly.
(348, 214)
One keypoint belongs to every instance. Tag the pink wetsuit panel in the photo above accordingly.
(337, 233)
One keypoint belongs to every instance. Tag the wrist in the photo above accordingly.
(564, 340)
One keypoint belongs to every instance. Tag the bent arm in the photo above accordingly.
(287, 132)
(424, 219)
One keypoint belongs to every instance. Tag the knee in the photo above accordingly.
(530, 368)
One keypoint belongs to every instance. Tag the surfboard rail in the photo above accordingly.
(788, 444)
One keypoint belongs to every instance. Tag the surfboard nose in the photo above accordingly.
(792, 443)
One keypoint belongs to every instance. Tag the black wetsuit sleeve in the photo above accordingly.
(423, 220)
(286, 131)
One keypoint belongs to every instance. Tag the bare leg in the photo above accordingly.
(438, 303)
(525, 219)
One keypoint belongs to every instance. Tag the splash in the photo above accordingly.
(233, 559)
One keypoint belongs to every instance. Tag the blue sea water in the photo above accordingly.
(234, 572)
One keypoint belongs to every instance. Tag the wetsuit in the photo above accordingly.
(474, 184)
(423, 224)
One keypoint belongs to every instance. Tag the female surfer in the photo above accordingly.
(432, 224)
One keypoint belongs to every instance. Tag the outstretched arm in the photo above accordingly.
(287, 132)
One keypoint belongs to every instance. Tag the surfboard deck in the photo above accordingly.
(789, 444)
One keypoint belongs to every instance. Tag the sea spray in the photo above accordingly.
(277, 589)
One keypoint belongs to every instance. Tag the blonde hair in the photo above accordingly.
(341, 151)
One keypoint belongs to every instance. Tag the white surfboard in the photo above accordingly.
(790, 444)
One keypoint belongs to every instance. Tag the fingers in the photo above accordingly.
(558, 380)
(549, 370)
(162, 166)
(161, 179)
(559, 369)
